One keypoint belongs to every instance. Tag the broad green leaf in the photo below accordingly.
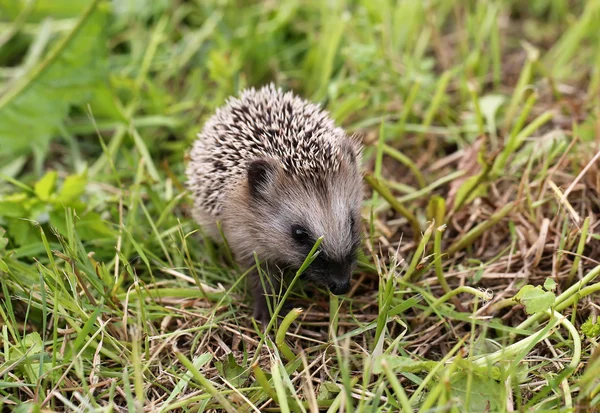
(32, 110)
(32, 349)
(233, 372)
(104, 103)
(489, 105)
(58, 221)
(484, 345)
(484, 394)
(92, 226)
(535, 299)
(33, 343)
(89, 226)
(12, 209)
(550, 284)
(44, 187)
(22, 231)
(327, 390)
(72, 189)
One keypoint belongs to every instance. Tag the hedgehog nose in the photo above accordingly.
(339, 278)
(340, 288)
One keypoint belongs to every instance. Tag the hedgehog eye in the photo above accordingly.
(300, 234)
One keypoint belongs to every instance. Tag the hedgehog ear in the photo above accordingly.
(352, 149)
(261, 173)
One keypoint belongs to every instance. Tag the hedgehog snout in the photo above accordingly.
(340, 287)
(338, 280)
(332, 274)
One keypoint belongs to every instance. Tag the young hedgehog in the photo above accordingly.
(277, 174)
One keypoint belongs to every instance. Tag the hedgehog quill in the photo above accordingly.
(277, 173)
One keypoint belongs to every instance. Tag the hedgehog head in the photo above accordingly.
(289, 211)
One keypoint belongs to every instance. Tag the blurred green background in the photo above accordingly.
(162, 66)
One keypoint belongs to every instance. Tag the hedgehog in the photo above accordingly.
(275, 173)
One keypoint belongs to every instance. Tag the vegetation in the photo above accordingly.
(478, 286)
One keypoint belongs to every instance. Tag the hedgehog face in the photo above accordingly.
(291, 213)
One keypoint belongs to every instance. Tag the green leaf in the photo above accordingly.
(33, 342)
(72, 189)
(590, 328)
(22, 231)
(484, 394)
(489, 105)
(32, 110)
(89, 226)
(535, 299)
(92, 226)
(484, 345)
(104, 103)
(58, 221)
(327, 390)
(550, 284)
(30, 347)
(588, 129)
(28, 407)
(400, 364)
(478, 274)
(3, 240)
(12, 209)
(58, 9)
(233, 372)
(44, 187)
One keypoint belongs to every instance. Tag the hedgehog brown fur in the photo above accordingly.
(277, 173)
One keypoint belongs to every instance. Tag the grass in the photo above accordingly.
(478, 282)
